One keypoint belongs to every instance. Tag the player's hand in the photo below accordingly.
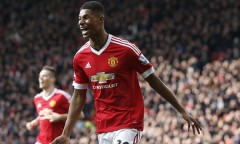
(53, 117)
(29, 126)
(61, 140)
(192, 123)
(32, 124)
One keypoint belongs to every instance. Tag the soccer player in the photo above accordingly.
(52, 106)
(110, 65)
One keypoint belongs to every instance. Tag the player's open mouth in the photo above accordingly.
(84, 29)
(41, 82)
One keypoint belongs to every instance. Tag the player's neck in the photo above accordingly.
(48, 91)
(99, 41)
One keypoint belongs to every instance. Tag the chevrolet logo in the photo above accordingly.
(101, 77)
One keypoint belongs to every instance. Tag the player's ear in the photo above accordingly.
(101, 19)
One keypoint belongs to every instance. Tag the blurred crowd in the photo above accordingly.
(194, 47)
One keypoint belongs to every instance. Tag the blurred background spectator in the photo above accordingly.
(194, 46)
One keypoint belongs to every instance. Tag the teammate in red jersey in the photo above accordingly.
(110, 65)
(52, 105)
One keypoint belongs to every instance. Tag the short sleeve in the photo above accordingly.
(80, 79)
(140, 62)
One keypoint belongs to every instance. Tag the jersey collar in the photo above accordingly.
(48, 97)
(104, 47)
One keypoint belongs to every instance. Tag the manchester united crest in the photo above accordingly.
(52, 103)
(113, 61)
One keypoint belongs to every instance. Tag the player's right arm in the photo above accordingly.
(32, 124)
(76, 106)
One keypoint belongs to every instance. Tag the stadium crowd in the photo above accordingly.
(193, 45)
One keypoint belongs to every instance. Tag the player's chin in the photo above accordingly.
(40, 86)
(86, 36)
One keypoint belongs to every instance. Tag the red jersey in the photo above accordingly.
(112, 74)
(58, 102)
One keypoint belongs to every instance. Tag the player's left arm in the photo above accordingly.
(156, 83)
(54, 117)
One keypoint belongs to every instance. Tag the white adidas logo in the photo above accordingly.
(88, 65)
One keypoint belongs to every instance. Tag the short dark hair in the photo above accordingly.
(94, 6)
(51, 69)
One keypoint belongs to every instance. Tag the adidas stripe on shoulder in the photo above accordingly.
(86, 45)
(127, 44)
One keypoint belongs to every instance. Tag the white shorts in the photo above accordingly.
(122, 136)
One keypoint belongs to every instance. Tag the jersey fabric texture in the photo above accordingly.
(58, 102)
(112, 74)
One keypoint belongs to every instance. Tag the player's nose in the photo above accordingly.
(81, 22)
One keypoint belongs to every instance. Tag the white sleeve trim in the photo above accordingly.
(80, 86)
(148, 72)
